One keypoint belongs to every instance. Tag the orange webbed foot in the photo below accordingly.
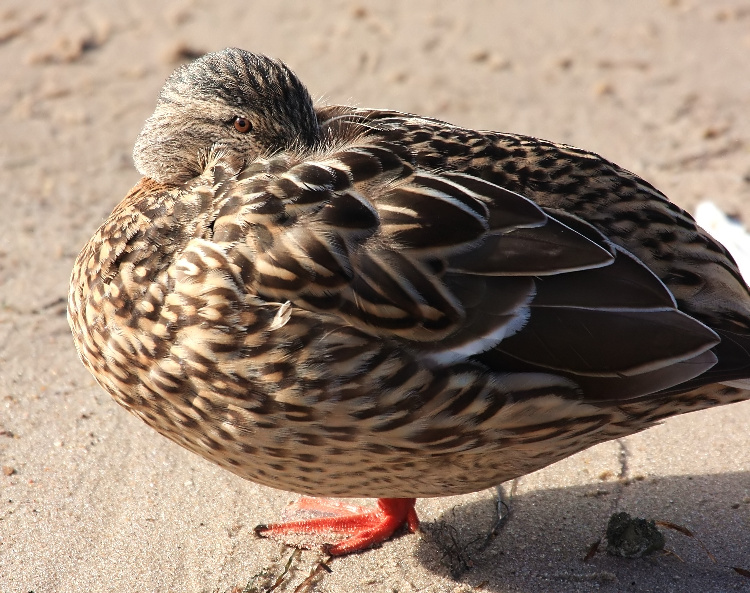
(363, 526)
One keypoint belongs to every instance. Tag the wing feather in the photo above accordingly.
(455, 266)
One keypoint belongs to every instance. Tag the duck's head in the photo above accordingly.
(245, 104)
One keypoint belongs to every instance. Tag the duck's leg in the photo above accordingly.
(365, 526)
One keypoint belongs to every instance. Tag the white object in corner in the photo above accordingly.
(729, 232)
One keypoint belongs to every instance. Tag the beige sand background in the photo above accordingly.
(92, 500)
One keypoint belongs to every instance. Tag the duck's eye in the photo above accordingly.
(242, 124)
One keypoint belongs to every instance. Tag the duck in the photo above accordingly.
(350, 302)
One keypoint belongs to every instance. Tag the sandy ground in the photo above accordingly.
(92, 500)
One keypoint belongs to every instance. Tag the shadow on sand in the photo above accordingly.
(549, 532)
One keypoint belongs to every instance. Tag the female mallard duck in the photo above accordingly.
(354, 302)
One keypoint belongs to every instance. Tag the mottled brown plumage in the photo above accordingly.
(354, 302)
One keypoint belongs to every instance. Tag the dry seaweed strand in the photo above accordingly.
(687, 532)
(259, 583)
(314, 573)
(593, 549)
(744, 572)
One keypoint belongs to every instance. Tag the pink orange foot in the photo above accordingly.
(364, 526)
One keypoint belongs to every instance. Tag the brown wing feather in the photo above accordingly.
(392, 248)
(448, 261)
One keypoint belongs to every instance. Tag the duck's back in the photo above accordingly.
(570, 183)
